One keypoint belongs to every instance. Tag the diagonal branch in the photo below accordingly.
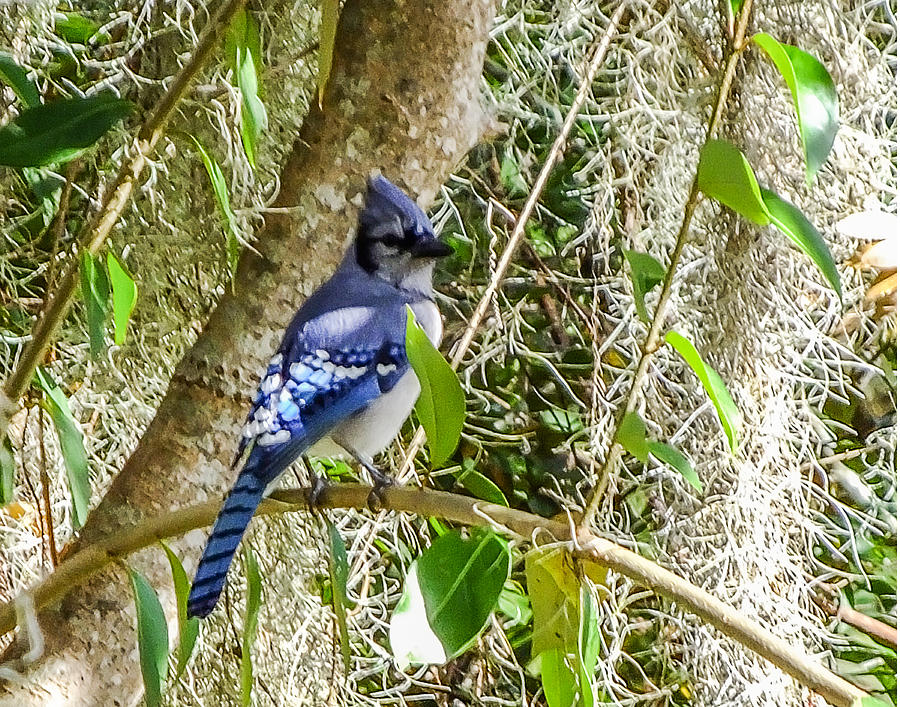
(468, 511)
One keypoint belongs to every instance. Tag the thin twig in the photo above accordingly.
(467, 511)
(653, 340)
(45, 491)
(116, 198)
(462, 346)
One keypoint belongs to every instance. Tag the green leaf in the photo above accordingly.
(441, 391)
(554, 589)
(124, 291)
(77, 29)
(71, 444)
(220, 189)
(632, 436)
(17, 79)
(872, 701)
(667, 454)
(588, 645)
(339, 569)
(254, 593)
(479, 485)
(791, 221)
(59, 131)
(513, 603)
(735, 6)
(448, 595)
(712, 382)
(557, 679)
(7, 472)
(153, 638)
(95, 292)
(242, 47)
(327, 33)
(560, 420)
(815, 98)
(188, 628)
(646, 273)
(725, 175)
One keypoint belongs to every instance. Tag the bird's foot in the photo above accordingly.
(318, 486)
(380, 482)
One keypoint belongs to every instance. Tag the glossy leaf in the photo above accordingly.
(153, 638)
(59, 131)
(632, 436)
(712, 382)
(441, 391)
(588, 645)
(725, 175)
(254, 594)
(815, 98)
(646, 272)
(71, 443)
(243, 49)
(124, 296)
(188, 628)
(7, 472)
(339, 569)
(327, 33)
(448, 596)
(479, 485)
(220, 189)
(95, 292)
(667, 454)
(557, 679)
(17, 79)
(791, 221)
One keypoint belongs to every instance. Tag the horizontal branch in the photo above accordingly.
(467, 511)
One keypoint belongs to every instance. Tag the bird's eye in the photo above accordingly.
(392, 240)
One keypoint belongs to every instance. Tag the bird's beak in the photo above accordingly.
(430, 248)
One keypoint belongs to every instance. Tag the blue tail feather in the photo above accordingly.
(226, 535)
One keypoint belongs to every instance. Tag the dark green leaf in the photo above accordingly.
(71, 443)
(7, 472)
(633, 436)
(712, 382)
(479, 485)
(646, 273)
(327, 33)
(220, 189)
(339, 569)
(815, 98)
(724, 174)
(188, 628)
(440, 391)
(95, 292)
(58, 131)
(791, 221)
(254, 593)
(124, 291)
(667, 454)
(17, 79)
(511, 178)
(588, 645)
(153, 638)
(557, 679)
(448, 596)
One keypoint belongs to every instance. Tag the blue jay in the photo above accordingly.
(340, 379)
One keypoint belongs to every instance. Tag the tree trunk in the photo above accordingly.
(404, 99)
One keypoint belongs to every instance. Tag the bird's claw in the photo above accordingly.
(317, 488)
(380, 482)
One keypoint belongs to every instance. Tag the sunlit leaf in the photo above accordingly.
(124, 295)
(59, 131)
(339, 569)
(513, 603)
(153, 638)
(327, 33)
(588, 645)
(646, 272)
(7, 472)
(791, 221)
(17, 79)
(448, 595)
(71, 443)
(188, 628)
(78, 29)
(667, 454)
(479, 485)
(242, 46)
(712, 382)
(254, 593)
(815, 98)
(441, 406)
(725, 175)
(633, 436)
(95, 292)
(557, 678)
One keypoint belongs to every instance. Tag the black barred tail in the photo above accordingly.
(223, 541)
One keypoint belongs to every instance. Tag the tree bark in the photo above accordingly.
(403, 99)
